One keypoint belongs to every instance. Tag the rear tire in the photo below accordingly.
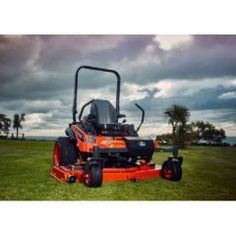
(93, 175)
(65, 152)
(171, 170)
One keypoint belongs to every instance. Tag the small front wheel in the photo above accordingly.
(93, 175)
(172, 170)
(71, 179)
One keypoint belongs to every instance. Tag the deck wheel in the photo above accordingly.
(71, 179)
(93, 175)
(172, 170)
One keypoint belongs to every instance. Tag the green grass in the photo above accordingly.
(209, 173)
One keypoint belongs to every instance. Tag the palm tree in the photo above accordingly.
(17, 120)
(5, 124)
(178, 116)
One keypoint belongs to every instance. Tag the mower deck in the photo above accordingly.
(143, 171)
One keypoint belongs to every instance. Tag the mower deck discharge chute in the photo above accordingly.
(99, 147)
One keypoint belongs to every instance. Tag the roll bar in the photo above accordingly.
(74, 108)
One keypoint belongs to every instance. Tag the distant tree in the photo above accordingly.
(5, 124)
(178, 116)
(17, 122)
(214, 135)
(184, 135)
(208, 132)
(164, 138)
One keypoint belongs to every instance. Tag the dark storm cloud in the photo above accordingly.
(204, 104)
(209, 56)
(229, 116)
(129, 47)
(209, 99)
(37, 73)
(35, 64)
(15, 53)
(203, 57)
(41, 66)
(34, 106)
(204, 99)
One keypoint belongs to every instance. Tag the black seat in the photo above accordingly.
(103, 112)
(103, 120)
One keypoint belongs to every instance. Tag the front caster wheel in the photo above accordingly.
(93, 175)
(71, 179)
(171, 170)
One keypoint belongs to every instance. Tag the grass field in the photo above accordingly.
(209, 173)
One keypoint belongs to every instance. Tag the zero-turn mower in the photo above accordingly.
(99, 147)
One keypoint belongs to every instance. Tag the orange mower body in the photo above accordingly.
(99, 148)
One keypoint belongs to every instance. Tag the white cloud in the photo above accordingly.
(152, 129)
(228, 95)
(35, 119)
(229, 127)
(132, 92)
(170, 88)
(168, 42)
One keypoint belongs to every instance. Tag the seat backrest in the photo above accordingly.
(103, 111)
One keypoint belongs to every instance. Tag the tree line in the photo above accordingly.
(6, 123)
(184, 132)
(178, 116)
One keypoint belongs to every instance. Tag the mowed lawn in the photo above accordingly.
(209, 173)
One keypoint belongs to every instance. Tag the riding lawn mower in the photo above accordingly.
(98, 147)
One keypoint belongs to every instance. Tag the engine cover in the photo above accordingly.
(139, 146)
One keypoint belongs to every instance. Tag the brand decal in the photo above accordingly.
(142, 143)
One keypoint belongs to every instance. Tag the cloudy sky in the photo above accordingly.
(37, 75)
